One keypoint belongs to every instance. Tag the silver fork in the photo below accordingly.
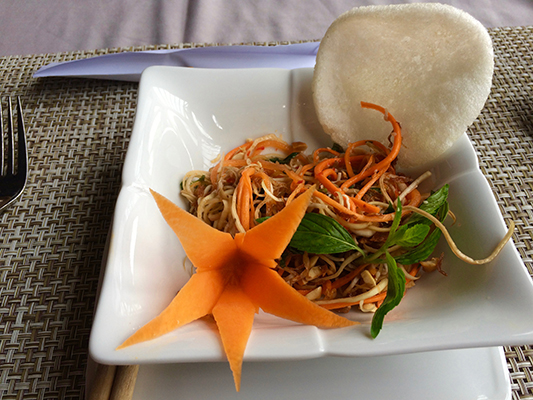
(13, 157)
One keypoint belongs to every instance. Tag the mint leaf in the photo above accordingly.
(337, 147)
(396, 221)
(262, 219)
(320, 234)
(426, 248)
(431, 205)
(285, 160)
(411, 236)
(391, 239)
(422, 252)
(395, 290)
(390, 209)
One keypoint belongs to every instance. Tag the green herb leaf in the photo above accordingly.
(411, 236)
(391, 239)
(443, 212)
(285, 160)
(395, 222)
(432, 205)
(389, 209)
(427, 247)
(422, 252)
(395, 290)
(320, 234)
(337, 147)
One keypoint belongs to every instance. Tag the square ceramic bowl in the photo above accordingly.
(185, 118)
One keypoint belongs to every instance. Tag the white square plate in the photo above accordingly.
(185, 118)
(440, 375)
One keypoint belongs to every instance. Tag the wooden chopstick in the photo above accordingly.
(124, 383)
(103, 382)
(114, 382)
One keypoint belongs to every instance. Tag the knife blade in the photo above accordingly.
(128, 66)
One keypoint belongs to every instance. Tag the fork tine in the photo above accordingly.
(22, 157)
(13, 182)
(10, 139)
(2, 145)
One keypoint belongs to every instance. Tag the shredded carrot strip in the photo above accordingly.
(323, 179)
(369, 184)
(389, 158)
(381, 146)
(348, 277)
(413, 271)
(358, 177)
(354, 145)
(272, 166)
(330, 172)
(334, 306)
(414, 197)
(363, 205)
(378, 298)
(244, 146)
(322, 172)
(317, 152)
(225, 163)
(300, 188)
(302, 158)
(348, 153)
(370, 162)
(297, 179)
(276, 144)
(326, 163)
(343, 209)
(264, 177)
(306, 168)
(328, 200)
(330, 186)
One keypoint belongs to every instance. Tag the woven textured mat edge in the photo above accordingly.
(53, 238)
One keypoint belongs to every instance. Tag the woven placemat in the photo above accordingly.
(53, 238)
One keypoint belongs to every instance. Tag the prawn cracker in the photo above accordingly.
(429, 64)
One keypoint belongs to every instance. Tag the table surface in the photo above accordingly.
(53, 238)
(32, 26)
